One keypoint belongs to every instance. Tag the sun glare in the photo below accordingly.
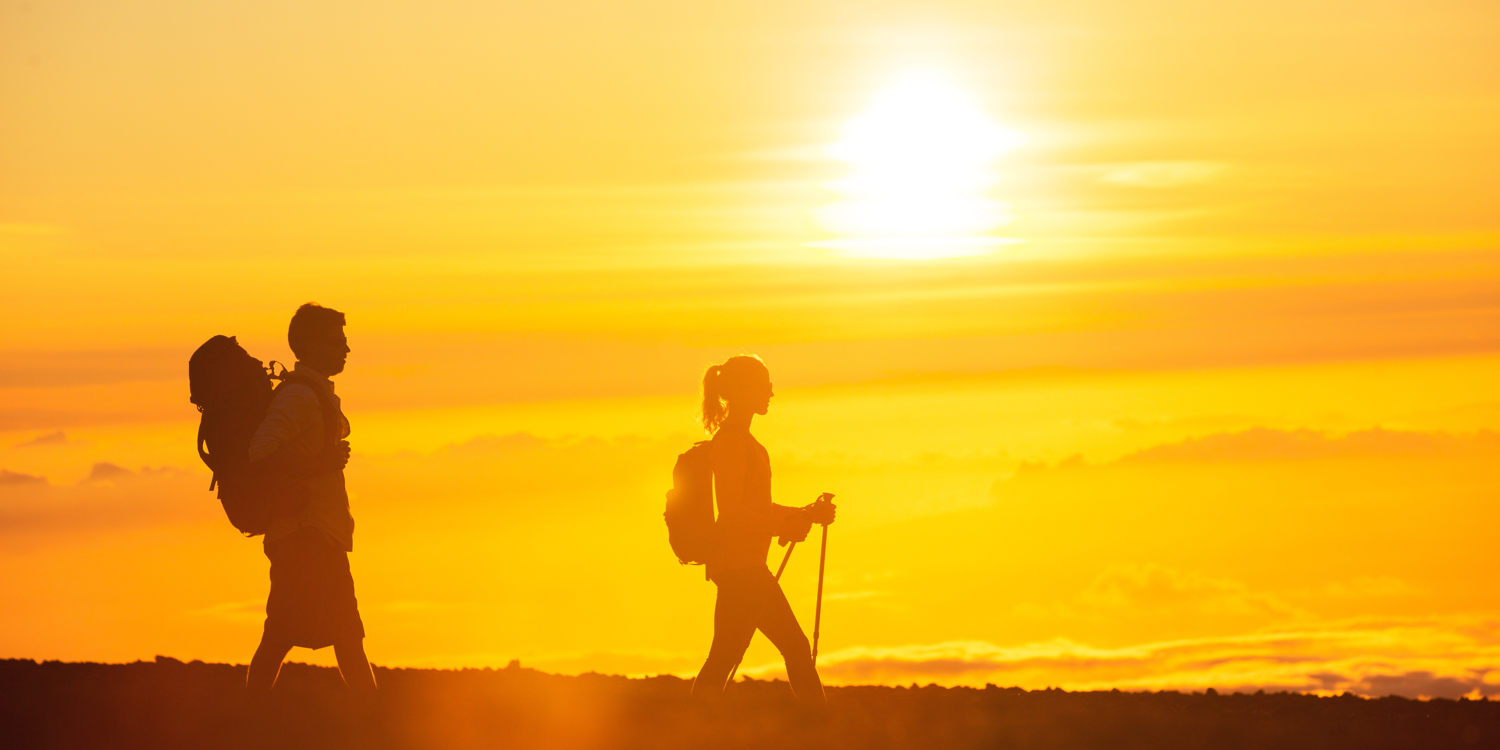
(920, 172)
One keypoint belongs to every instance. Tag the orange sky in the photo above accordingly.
(1226, 417)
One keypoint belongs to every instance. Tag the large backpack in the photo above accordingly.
(690, 506)
(233, 390)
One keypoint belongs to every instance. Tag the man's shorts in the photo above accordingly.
(312, 601)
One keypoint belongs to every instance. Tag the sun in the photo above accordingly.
(920, 171)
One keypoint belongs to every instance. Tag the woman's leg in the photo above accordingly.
(734, 626)
(780, 625)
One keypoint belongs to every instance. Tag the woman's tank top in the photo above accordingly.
(747, 522)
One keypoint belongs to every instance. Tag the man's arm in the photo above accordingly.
(294, 411)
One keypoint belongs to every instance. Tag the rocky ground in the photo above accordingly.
(169, 704)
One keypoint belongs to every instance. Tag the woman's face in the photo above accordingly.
(757, 392)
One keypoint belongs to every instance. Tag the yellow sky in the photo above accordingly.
(1226, 417)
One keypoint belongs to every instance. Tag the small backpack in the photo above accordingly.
(233, 391)
(690, 506)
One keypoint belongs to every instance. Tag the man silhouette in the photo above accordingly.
(312, 602)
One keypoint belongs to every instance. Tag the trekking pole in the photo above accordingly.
(822, 558)
(784, 559)
(818, 613)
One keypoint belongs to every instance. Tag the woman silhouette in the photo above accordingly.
(749, 596)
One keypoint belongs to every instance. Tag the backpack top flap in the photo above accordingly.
(219, 370)
(231, 389)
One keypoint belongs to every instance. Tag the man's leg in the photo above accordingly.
(355, 668)
(780, 626)
(265, 665)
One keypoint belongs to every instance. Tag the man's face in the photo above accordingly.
(327, 352)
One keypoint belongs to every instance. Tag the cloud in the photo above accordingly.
(112, 497)
(1422, 683)
(1262, 444)
(1367, 586)
(23, 369)
(520, 477)
(409, 605)
(1167, 602)
(244, 612)
(524, 472)
(104, 471)
(1154, 590)
(17, 228)
(1416, 659)
(500, 503)
(853, 595)
(11, 478)
(1158, 174)
(51, 438)
(632, 663)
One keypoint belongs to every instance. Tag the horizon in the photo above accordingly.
(515, 665)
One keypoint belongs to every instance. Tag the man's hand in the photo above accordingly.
(337, 457)
(286, 465)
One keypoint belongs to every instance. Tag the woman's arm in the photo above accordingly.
(731, 463)
(795, 525)
(779, 514)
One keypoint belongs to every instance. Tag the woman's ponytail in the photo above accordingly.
(722, 381)
(713, 406)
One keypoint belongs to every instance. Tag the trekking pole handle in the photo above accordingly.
(823, 500)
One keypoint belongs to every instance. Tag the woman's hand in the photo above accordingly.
(823, 511)
(795, 526)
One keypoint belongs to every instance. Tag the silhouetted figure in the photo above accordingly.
(749, 596)
(312, 602)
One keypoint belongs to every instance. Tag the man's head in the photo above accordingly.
(316, 336)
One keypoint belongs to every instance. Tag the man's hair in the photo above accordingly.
(311, 320)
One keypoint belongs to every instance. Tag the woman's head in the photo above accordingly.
(741, 383)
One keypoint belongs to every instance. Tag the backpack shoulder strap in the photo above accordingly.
(332, 418)
(207, 460)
